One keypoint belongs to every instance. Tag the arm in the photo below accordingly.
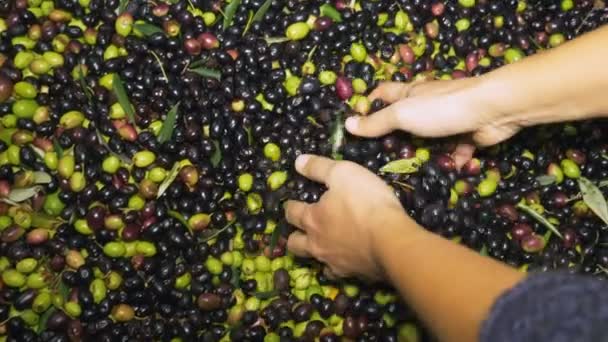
(450, 287)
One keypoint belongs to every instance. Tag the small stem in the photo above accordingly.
(160, 64)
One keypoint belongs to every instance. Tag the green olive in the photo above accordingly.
(23, 59)
(124, 24)
(13, 278)
(252, 304)
(40, 66)
(183, 281)
(66, 166)
(466, 3)
(401, 20)
(52, 204)
(114, 249)
(53, 58)
(136, 202)
(327, 77)
(113, 280)
(262, 263)
(272, 151)
(297, 31)
(567, 5)
(77, 181)
(245, 182)
(145, 248)
(98, 290)
(462, 24)
(214, 266)
(359, 86)
(111, 164)
(82, 226)
(254, 202)
(292, 84)
(248, 267)
(26, 265)
(556, 39)
(487, 187)
(25, 108)
(110, 52)
(71, 119)
(513, 55)
(227, 258)
(25, 90)
(42, 302)
(36, 281)
(358, 52)
(144, 158)
(51, 160)
(276, 179)
(30, 317)
(72, 309)
(571, 170)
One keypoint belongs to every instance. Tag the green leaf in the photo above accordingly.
(41, 177)
(44, 318)
(206, 72)
(214, 233)
(337, 135)
(235, 280)
(539, 218)
(313, 121)
(178, 216)
(169, 125)
(216, 158)
(330, 11)
(484, 250)
(64, 290)
(147, 29)
(266, 294)
(42, 220)
(274, 238)
(122, 6)
(57, 148)
(259, 14)
(545, 180)
(199, 62)
(249, 21)
(229, 13)
(274, 40)
(20, 195)
(123, 99)
(594, 198)
(409, 165)
(83, 85)
(169, 179)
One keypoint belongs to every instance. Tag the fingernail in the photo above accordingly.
(352, 123)
(301, 161)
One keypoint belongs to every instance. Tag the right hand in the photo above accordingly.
(437, 109)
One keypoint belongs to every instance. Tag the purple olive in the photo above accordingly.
(344, 88)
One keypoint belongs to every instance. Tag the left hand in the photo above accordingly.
(343, 229)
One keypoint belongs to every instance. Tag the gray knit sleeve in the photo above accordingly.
(552, 307)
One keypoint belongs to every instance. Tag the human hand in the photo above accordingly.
(437, 109)
(342, 229)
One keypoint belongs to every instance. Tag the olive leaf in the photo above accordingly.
(147, 29)
(249, 136)
(330, 11)
(102, 142)
(603, 183)
(169, 125)
(229, 13)
(216, 158)
(206, 72)
(545, 180)
(235, 280)
(275, 40)
(122, 6)
(197, 63)
(274, 238)
(409, 165)
(314, 121)
(20, 195)
(337, 136)
(44, 318)
(259, 14)
(121, 94)
(160, 65)
(593, 197)
(57, 148)
(169, 179)
(539, 218)
(42, 220)
(64, 290)
(178, 216)
(87, 91)
(41, 177)
(214, 233)
(484, 250)
(249, 21)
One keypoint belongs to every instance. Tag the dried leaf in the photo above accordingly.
(147, 29)
(330, 11)
(545, 180)
(409, 165)
(20, 195)
(229, 13)
(216, 158)
(206, 72)
(539, 218)
(337, 136)
(169, 125)
(259, 14)
(41, 177)
(123, 99)
(603, 183)
(169, 179)
(594, 198)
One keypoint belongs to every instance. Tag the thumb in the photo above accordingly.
(379, 123)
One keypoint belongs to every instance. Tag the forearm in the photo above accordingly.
(451, 287)
(565, 83)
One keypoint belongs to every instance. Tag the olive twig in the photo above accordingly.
(160, 64)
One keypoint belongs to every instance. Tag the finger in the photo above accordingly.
(295, 212)
(390, 91)
(314, 167)
(297, 243)
(463, 152)
(381, 122)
